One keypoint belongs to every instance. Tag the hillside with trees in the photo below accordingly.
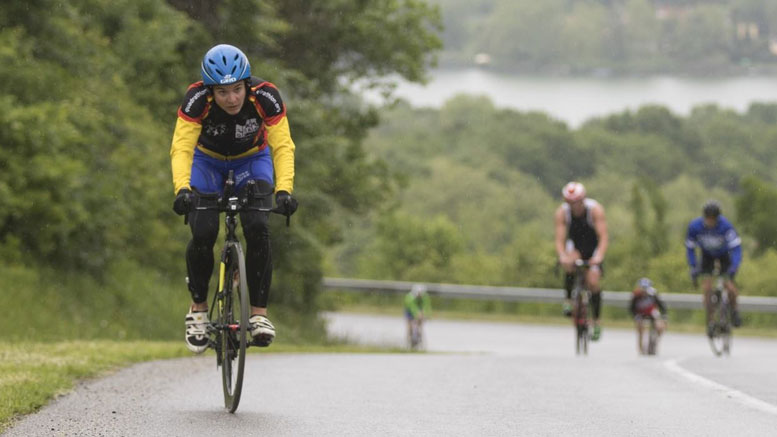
(480, 184)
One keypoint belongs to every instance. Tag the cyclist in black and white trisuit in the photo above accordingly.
(581, 233)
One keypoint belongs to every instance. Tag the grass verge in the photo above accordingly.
(31, 374)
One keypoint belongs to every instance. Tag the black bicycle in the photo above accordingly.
(229, 331)
(416, 335)
(720, 322)
(581, 309)
(649, 342)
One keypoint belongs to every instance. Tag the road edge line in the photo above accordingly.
(735, 394)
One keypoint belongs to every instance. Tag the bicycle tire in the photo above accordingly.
(582, 340)
(415, 341)
(720, 341)
(234, 315)
(580, 317)
(652, 338)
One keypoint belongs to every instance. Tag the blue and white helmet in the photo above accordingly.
(418, 289)
(224, 64)
(646, 285)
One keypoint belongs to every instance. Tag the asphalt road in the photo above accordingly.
(493, 379)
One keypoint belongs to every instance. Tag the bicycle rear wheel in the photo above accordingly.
(233, 317)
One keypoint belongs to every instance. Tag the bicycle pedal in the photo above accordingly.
(261, 341)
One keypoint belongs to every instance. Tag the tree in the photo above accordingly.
(410, 248)
(91, 89)
(756, 209)
(649, 226)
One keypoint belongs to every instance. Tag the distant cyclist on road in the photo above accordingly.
(647, 305)
(230, 120)
(418, 306)
(581, 233)
(719, 242)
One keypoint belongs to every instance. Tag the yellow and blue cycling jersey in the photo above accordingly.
(256, 142)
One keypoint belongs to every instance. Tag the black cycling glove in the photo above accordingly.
(183, 201)
(285, 204)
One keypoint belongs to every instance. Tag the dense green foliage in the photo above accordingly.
(90, 90)
(481, 185)
(613, 36)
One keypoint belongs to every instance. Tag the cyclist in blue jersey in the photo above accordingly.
(719, 243)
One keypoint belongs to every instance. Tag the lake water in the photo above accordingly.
(574, 100)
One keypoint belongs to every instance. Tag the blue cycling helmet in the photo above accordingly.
(225, 64)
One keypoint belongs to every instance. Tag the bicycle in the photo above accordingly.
(416, 335)
(720, 318)
(581, 311)
(229, 311)
(649, 342)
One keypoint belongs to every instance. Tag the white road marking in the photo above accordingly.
(737, 395)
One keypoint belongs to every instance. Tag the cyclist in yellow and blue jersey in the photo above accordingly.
(230, 120)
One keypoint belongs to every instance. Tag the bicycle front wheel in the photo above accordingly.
(720, 341)
(582, 322)
(234, 313)
(652, 338)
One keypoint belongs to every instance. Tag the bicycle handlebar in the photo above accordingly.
(231, 204)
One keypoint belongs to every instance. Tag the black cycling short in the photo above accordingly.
(601, 266)
(708, 263)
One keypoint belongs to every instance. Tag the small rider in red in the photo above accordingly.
(647, 305)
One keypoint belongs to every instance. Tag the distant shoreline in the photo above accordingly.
(574, 100)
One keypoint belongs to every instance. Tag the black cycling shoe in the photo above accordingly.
(736, 320)
(262, 340)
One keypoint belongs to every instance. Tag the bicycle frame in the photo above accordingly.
(416, 334)
(649, 335)
(231, 205)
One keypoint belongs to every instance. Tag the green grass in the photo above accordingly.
(130, 302)
(31, 374)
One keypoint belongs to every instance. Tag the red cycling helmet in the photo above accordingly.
(573, 192)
